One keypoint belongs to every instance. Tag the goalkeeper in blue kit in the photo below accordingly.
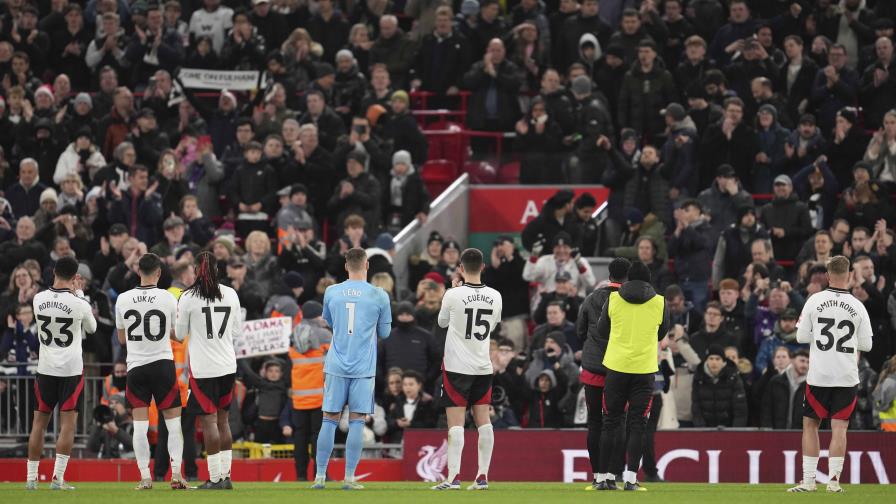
(358, 312)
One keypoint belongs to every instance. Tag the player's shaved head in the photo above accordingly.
(149, 264)
(355, 260)
(472, 260)
(838, 266)
(66, 268)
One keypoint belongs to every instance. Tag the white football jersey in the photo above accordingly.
(836, 326)
(471, 313)
(63, 320)
(146, 315)
(212, 327)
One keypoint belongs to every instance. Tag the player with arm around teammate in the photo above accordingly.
(63, 319)
(210, 314)
(837, 328)
(358, 313)
(145, 318)
(471, 312)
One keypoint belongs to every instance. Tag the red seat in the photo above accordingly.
(452, 147)
(509, 173)
(481, 172)
(438, 174)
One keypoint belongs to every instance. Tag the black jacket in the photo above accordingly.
(739, 151)
(642, 97)
(544, 409)
(365, 201)
(425, 415)
(792, 215)
(507, 279)
(545, 227)
(776, 402)
(414, 199)
(271, 396)
(720, 402)
(507, 83)
(254, 183)
(410, 347)
(594, 346)
(693, 251)
(701, 340)
(440, 63)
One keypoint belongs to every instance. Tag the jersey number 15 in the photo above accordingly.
(472, 314)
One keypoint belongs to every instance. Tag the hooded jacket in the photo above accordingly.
(544, 410)
(782, 401)
(723, 207)
(594, 346)
(642, 96)
(598, 51)
(638, 308)
(681, 161)
(693, 251)
(718, 401)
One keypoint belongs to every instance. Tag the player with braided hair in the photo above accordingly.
(210, 314)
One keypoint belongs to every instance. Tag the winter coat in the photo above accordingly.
(244, 55)
(594, 347)
(821, 202)
(254, 183)
(441, 62)
(540, 335)
(265, 272)
(573, 29)
(507, 83)
(827, 101)
(716, 149)
(544, 269)
(204, 177)
(778, 401)
(425, 415)
(149, 214)
(541, 362)
(591, 119)
(540, 153)
(397, 53)
(545, 410)
(718, 401)
(329, 127)
(844, 155)
(815, 146)
(545, 227)
(70, 159)
(652, 227)
(641, 98)
(693, 250)
(792, 215)
(681, 161)
(409, 346)
(507, 279)
(653, 183)
(771, 142)
(414, 198)
(559, 107)
(405, 134)
(348, 90)
(733, 251)
(722, 207)
(365, 201)
(766, 353)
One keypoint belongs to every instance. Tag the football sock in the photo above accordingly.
(354, 442)
(32, 469)
(486, 443)
(325, 445)
(175, 445)
(835, 467)
(214, 467)
(600, 477)
(141, 447)
(455, 450)
(810, 465)
(630, 476)
(59, 468)
(610, 477)
(226, 459)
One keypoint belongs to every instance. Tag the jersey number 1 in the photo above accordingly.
(351, 317)
(477, 315)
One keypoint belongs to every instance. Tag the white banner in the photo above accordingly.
(232, 80)
(264, 337)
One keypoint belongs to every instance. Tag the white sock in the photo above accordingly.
(226, 459)
(486, 443)
(610, 477)
(32, 469)
(214, 467)
(835, 467)
(600, 477)
(141, 447)
(630, 476)
(59, 468)
(810, 466)
(175, 445)
(455, 450)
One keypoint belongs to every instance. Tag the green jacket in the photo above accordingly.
(652, 227)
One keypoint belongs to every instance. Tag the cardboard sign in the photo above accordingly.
(263, 337)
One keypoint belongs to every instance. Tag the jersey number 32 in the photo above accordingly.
(827, 324)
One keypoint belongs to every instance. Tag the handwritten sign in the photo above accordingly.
(263, 337)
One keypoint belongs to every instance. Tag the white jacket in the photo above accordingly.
(69, 159)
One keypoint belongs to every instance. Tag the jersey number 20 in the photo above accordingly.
(484, 324)
(147, 328)
(827, 324)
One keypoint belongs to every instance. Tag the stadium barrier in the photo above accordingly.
(683, 455)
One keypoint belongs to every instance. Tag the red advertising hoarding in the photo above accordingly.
(505, 209)
(682, 456)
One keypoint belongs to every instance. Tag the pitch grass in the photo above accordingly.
(419, 493)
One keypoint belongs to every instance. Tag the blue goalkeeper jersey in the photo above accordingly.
(358, 312)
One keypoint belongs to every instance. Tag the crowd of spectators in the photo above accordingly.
(744, 143)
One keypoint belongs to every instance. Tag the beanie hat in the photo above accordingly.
(385, 241)
(639, 271)
(84, 98)
(557, 336)
(405, 307)
(344, 53)
(312, 310)
(402, 157)
(581, 85)
(49, 194)
(585, 200)
(715, 350)
(469, 8)
(401, 95)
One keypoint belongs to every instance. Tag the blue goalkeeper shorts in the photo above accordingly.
(356, 392)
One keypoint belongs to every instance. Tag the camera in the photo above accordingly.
(360, 129)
